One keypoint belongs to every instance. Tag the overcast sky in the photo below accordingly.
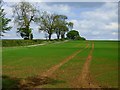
(93, 20)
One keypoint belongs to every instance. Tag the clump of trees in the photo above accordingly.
(60, 26)
(24, 13)
(74, 35)
(53, 23)
(3, 21)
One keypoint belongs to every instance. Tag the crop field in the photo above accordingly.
(71, 64)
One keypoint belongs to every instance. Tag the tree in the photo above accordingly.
(73, 34)
(24, 13)
(64, 27)
(3, 21)
(60, 25)
(63, 31)
(26, 34)
(46, 23)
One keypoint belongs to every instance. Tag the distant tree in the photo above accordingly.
(24, 13)
(63, 31)
(46, 23)
(57, 24)
(3, 21)
(60, 26)
(73, 34)
(64, 27)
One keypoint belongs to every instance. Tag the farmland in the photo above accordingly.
(72, 64)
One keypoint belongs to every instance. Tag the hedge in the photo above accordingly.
(11, 43)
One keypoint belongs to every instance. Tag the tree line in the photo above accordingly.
(24, 13)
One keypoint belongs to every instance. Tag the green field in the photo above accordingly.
(104, 66)
(22, 62)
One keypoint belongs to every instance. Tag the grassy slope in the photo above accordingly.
(23, 62)
(104, 66)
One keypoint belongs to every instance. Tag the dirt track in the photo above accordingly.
(84, 80)
(36, 81)
(50, 71)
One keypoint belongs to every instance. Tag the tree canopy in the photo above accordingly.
(24, 13)
(61, 26)
(52, 23)
(46, 23)
(73, 34)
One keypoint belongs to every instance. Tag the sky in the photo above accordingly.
(93, 20)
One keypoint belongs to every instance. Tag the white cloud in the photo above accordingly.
(55, 8)
(112, 26)
(114, 33)
(99, 23)
(107, 12)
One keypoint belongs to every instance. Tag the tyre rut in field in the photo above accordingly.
(50, 71)
(85, 80)
(38, 81)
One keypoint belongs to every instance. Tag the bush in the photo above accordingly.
(80, 38)
(73, 34)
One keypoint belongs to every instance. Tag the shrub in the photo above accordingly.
(80, 38)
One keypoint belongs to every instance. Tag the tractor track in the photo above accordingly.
(84, 80)
(50, 71)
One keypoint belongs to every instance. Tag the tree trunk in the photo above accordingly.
(50, 36)
(26, 38)
(62, 36)
(31, 36)
(28, 33)
(58, 36)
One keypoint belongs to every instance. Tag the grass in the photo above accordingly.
(104, 66)
(23, 62)
(70, 71)
(26, 61)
